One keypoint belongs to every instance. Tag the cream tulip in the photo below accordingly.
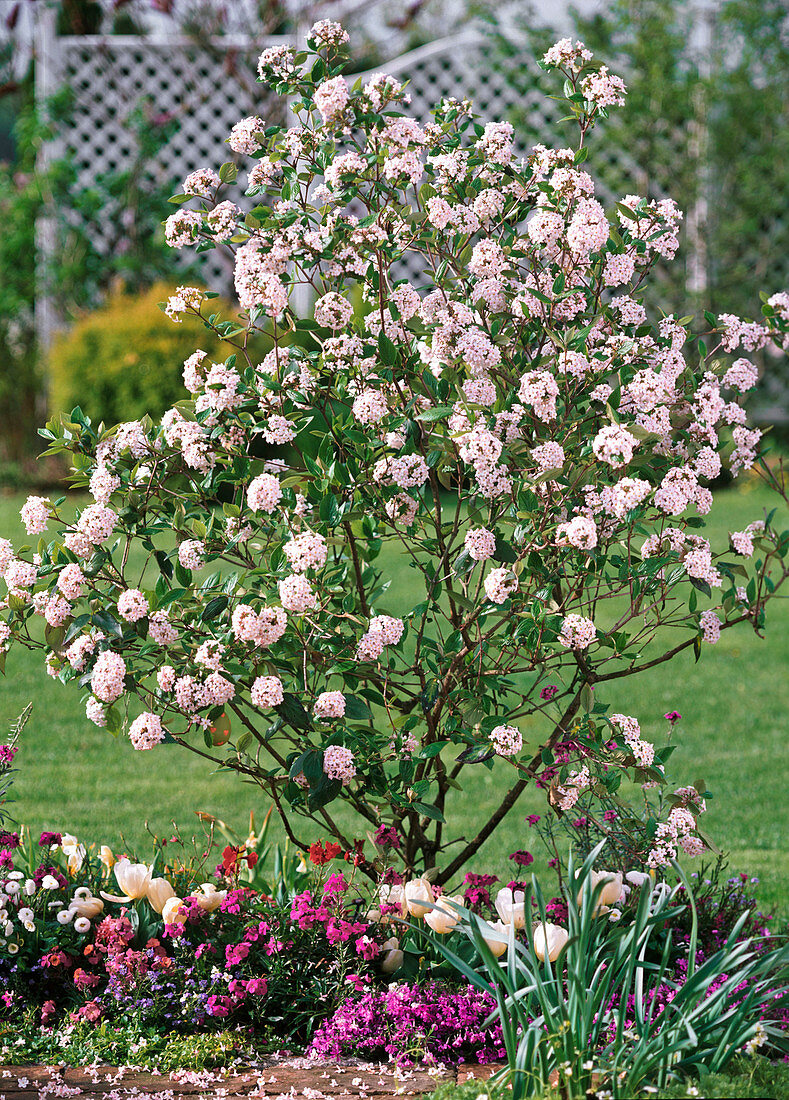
(107, 857)
(174, 911)
(417, 892)
(209, 898)
(73, 851)
(133, 879)
(511, 907)
(610, 893)
(391, 956)
(84, 904)
(497, 942)
(549, 939)
(445, 916)
(159, 891)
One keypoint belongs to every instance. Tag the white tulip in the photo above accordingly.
(611, 892)
(84, 904)
(496, 936)
(445, 916)
(209, 897)
(174, 911)
(74, 853)
(549, 939)
(159, 891)
(133, 879)
(511, 907)
(106, 857)
(392, 957)
(389, 894)
(418, 891)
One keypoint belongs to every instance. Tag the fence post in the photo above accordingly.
(698, 216)
(45, 314)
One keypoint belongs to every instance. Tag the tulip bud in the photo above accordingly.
(174, 911)
(611, 892)
(511, 907)
(418, 891)
(549, 939)
(497, 944)
(106, 856)
(391, 956)
(159, 892)
(444, 917)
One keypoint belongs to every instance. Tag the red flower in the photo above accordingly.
(320, 854)
(230, 859)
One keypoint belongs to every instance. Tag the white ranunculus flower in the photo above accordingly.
(25, 914)
(81, 925)
(64, 916)
(48, 882)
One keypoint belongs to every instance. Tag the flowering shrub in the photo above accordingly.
(515, 425)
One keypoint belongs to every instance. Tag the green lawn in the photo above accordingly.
(75, 777)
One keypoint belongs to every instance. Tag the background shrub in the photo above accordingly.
(125, 359)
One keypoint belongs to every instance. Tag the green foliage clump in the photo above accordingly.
(125, 360)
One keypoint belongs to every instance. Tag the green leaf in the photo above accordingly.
(437, 413)
(477, 754)
(428, 811)
(356, 709)
(214, 608)
(292, 711)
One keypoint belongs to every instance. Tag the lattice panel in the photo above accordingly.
(207, 90)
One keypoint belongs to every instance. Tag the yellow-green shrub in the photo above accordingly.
(126, 359)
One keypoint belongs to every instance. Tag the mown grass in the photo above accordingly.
(734, 703)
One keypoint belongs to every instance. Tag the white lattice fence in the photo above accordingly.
(206, 89)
